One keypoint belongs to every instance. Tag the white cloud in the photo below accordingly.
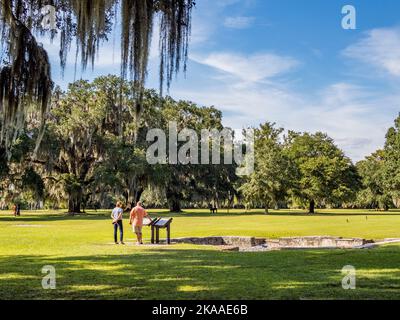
(346, 112)
(238, 22)
(251, 68)
(380, 48)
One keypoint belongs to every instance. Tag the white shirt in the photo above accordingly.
(116, 212)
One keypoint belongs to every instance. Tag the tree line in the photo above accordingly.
(93, 152)
(304, 170)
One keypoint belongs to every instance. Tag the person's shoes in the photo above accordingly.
(122, 242)
(116, 243)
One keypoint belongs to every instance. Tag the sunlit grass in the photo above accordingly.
(90, 266)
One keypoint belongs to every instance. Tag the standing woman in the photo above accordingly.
(116, 215)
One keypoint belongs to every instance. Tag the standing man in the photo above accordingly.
(136, 220)
(116, 215)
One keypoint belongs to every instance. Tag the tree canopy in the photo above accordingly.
(95, 152)
(391, 172)
(272, 178)
(324, 174)
(374, 186)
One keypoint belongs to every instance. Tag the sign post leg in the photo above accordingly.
(152, 234)
(169, 234)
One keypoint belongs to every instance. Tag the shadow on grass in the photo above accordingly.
(333, 214)
(53, 217)
(106, 216)
(205, 274)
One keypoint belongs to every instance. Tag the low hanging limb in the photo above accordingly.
(24, 80)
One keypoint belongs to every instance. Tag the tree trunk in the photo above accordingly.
(75, 203)
(74, 206)
(175, 205)
(139, 194)
(312, 207)
(126, 197)
(266, 209)
(173, 198)
(132, 201)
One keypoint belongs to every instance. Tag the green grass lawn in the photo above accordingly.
(90, 266)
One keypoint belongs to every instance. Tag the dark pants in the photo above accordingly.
(119, 226)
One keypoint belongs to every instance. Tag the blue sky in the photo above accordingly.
(289, 62)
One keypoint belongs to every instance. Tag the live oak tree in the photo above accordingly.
(18, 177)
(380, 173)
(91, 142)
(325, 175)
(374, 193)
(186, 182)
(94, 147)
(74, 141)
(25, 71)
(272, 178)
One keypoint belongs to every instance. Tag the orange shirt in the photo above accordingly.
(137, 215)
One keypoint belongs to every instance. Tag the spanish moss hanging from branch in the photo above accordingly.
(138, 17)
(175, 28)
(25, 76)
(93, 23)
(137, 25)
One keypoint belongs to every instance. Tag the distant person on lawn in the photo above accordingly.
(116, 215)
(17, 210)
(136, 220)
